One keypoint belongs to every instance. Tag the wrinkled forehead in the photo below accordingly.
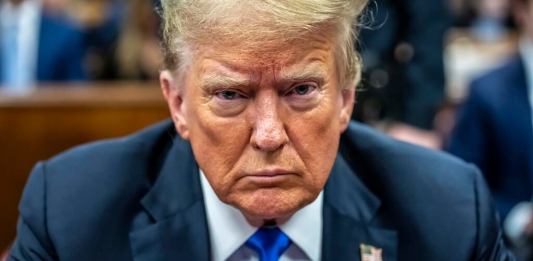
(269, 53)
(297, 59)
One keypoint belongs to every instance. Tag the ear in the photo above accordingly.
(347, 104)
(174, 97)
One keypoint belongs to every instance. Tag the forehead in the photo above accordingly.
(315, 52)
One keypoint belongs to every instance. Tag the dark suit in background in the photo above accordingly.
(60, 51)
(494, 131)
(140, 198)
(403, 58)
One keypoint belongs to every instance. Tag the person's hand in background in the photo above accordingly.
(518, 227)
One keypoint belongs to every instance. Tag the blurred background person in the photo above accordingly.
(403, 56)
(37, 45)
(491, 20)
(495, 128)
(138, 54)
(419, 59)
(483, 37)
(101, 22)
(403, 75)
(122, 38)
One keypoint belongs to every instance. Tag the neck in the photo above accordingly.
(266, 222)
(269, 223)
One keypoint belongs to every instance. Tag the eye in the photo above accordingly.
(229, 95)
(302, 89)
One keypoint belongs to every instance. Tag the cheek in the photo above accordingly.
(319, 124)
(315, 137)
(217, 142)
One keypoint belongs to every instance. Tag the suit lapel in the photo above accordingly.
(178, 228)
(349, 211)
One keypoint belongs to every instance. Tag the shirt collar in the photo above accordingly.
(229, 230)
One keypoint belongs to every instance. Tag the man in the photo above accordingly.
(495, 129)
(250, 168)
(37, 46)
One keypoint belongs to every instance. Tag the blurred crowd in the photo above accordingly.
(455, 75)
(47, 41)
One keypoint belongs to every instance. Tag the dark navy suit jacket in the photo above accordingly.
(495, 132)
(139, 198)
(60, 51)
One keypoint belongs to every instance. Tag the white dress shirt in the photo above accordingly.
(229, 230)
(526, 52)
(25, 17)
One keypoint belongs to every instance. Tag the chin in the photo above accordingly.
(272, 204)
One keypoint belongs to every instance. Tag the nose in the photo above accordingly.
(269, 132)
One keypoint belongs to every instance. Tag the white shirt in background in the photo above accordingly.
(26, 18)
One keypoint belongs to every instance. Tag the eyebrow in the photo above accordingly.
(311, 72)
(215, 81)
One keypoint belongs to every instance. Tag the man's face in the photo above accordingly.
(524, 14)
(528, 17)
(264, 125)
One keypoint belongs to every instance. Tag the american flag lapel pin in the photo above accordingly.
(370, 253)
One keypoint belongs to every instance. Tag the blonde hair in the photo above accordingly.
(260, 23)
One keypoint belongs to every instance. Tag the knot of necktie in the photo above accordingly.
(269, 243)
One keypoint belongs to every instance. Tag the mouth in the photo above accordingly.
(271, 173)
(269, 177)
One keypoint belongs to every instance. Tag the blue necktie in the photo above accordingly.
(269, 243)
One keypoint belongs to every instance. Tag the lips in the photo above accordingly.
(269, 177)
(271, 173)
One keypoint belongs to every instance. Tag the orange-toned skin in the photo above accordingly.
(264, 125)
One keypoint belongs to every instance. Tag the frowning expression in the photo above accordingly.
(264, 125)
